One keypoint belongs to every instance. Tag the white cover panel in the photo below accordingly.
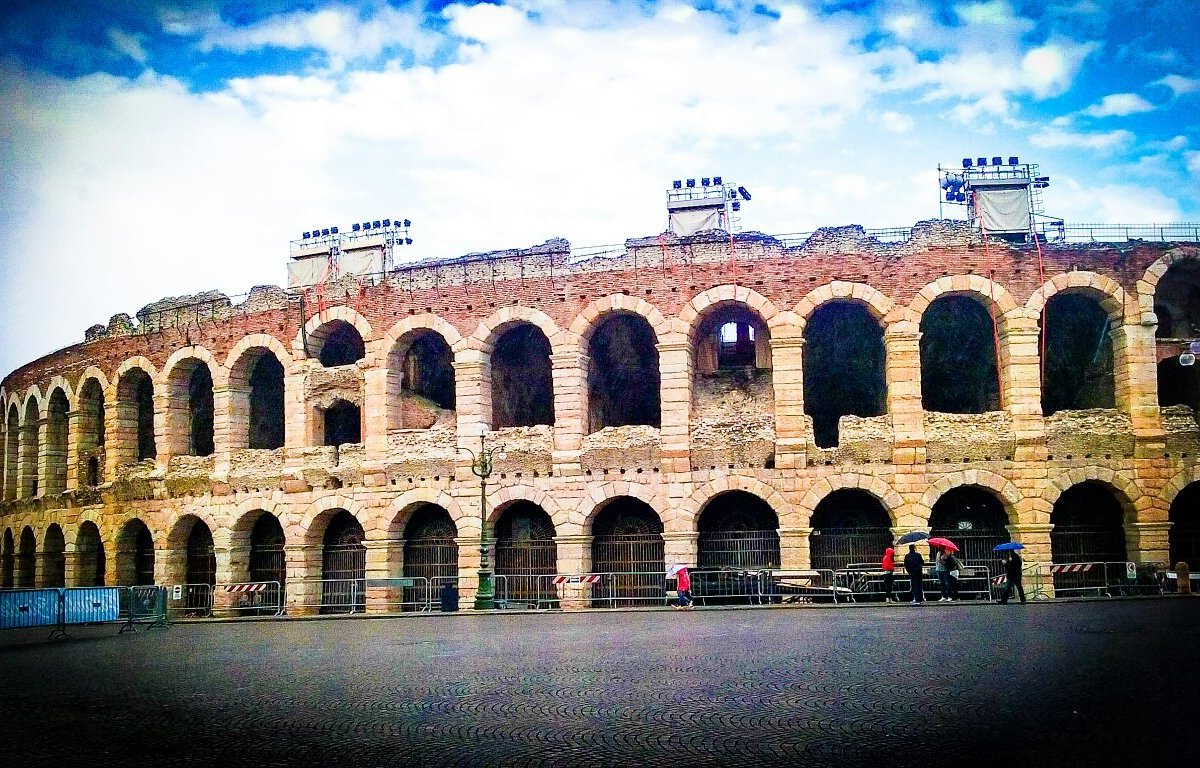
(310, 271)
(687, 222)
(360, 262)
(1003, 210)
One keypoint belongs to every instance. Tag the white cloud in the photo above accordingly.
(1179, 84)
(128, 44)
(1049, 69)
(1056, 138)
(1119, 105)
(896, 122)
(1192, 160)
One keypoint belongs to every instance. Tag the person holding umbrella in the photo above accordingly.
(683, 584)
(947, 568)
(1012, 572)
(914, 566)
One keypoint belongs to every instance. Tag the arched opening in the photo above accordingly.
(190, 409)
(430, 552)
(627, 546)
(958, 357)
(201, 566)
(1177, 301)
(12, 437)
(850, 527)
(738, 530)
(343, 423)
(340, 344)
(1178, 384)
(26, 560)
(135, 417)
(135, 555)
(1185, 527)
(623, 375)
(91, 431)
(975, 520)
(265, 424)
(843, 367)
(54, 558)
(420, 380)
(732, 337)
(56, 442)
(30, 447)
(268, 557)
(89, 556)
(343, 566)
(522, 382)
(1088, 528)
(1079, 355)
(525, 551)
(7, 560)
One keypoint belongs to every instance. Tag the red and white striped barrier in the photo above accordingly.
(1000, 580)
(246, 587)
(587, 578)
(1072, 568)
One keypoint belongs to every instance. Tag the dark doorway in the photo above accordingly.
(343, 423)
(525, 553)
(135, 555)
(623, 375)
(1079, 355)
(958, 357)
(843, 367)
(200, 411)
(627, 546)
(522, 383)
(54, 558)
(343, 566)
(89, 556)
(850, 527)
(738, 530)
(266, 403)
(342, 345)
(268, 559)
(974, 519)
(27, 560)
(430, 552)
(1185, 527)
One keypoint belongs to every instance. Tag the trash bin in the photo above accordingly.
(449, 597)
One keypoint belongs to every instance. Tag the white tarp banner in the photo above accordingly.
(1003, 210)
(308, 271)
(364, 261)
(689, 222)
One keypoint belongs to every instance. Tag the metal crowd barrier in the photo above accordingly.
(778, 585)
(192, 600)
(404, 593)
(329, 595)
(66, 606)
(256, 598)
(1105, 579)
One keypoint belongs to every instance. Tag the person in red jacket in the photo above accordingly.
(683, 583)
(889, 573)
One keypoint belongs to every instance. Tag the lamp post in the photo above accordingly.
(481, 467)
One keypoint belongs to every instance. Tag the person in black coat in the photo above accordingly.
(1012, 575)
(914, 565)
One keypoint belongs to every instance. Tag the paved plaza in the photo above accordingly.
(1083, 683)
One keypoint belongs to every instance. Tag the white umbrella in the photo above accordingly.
(674, 569)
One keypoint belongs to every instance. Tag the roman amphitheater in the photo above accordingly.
(744, 402)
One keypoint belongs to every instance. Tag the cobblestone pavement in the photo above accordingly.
(1095, 684)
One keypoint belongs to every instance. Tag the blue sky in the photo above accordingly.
(157, 148)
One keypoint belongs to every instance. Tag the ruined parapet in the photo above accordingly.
(524, 449)
(325, 386)
(627, 446)
(969, 436)
(189, 475)
(1095, 432)
(1181, 429)
(413, 453)
(861, 440)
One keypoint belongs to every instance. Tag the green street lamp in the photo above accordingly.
(481, 467)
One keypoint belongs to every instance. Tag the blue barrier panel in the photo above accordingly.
(29, 608)
(90, 605)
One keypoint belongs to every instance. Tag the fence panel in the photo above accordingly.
(21, 608)
(195, 600)
(835, 549)
(521, 563)
(91, 605)
(739, 550)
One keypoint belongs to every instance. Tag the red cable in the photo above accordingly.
(1041, 277)
(987, 258)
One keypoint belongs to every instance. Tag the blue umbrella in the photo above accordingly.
(1008, 546)
(912, 537)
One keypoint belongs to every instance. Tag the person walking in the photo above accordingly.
(1012, 574)
(953, 573)
(942, 565)
(889, 573)
(683, 583)
(914, 565)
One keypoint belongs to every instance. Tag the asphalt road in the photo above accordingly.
(1082, 683)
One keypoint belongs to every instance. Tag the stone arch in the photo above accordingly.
(730, 294)
(594, 501)
(1148, 284)
(877, 487)
(1000, 485)
(591, 316)
(502, 498)
(190, 422)
(91, 372)
(39, 400)
(877, 303)
(194, 352)
(383, 523)
(1126, 491)
(340, 312)
(435, 378)
(58, 382)
(425, 321)
(1177, 483)
(179, 525)
(689, 511)
(491, 329)
(256, 411)
(976, 285)
(1105, 290)
(247, 514)
(323, 507)
(134, 362)
(237, 362)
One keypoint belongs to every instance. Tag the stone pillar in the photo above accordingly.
(297, 428)
(228, 426)
(468, 569)
(171, 419)
(45, 457)
(574, 556)
(791, 439)
(795, 554)
(374, 413)
(675, 369)
(75, 432)
(30, 461)
(570, 409)
(473, 401)
(681, 547)
(902, 345)
(1135, 371)
(120, 442)
(1036, 555)
(222, 600)
(381, 596)
(1020, 357)
(1149, 542)
(303, 580)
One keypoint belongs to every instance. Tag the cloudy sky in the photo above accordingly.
(151, 149)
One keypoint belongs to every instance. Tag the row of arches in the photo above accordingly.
(962, 324)
(735, 529)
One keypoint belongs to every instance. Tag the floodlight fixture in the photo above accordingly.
(356, 227)
(375, 224)
(717, 181)
(949, 196)
(387, 222)
(961, 197)
(966, 162)
(677, 184)
(1194, 347)
(407, 223)
(996, 160)
(408, 240)
(333, 230)
(1013, 160)
(1187, 359)
(691, 183)
(737, 205)
(705, 181)
(742, 191)
(325, 232)
(981, 161)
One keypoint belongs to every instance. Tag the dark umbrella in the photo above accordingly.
(1008, 546)
(912, 537)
